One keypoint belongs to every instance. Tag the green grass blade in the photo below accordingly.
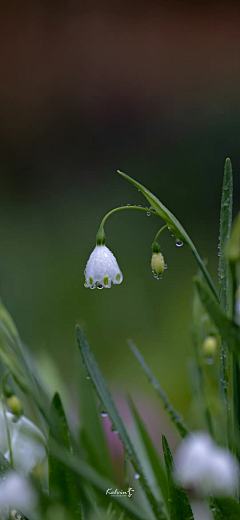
(229, 331)
(225, 231)
(63, 484)
(91, 435)
(154, 459)
(175, 227)
(180, 508)
(225, 509)
(175, 417)
(223, 273)
(107, 401)
(89, 474)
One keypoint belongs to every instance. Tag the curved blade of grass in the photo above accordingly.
(229, 331)
(104, 395)
(225, 509)
(89, 474)
(154, 459)
(223, 274)
(175, 417)
(175, 227)
(180, 508)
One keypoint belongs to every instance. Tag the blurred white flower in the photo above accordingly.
(102, 269)
(27, 442)
(206, 467)
(28, 445)
(16, 492)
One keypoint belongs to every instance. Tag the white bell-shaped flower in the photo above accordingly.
(28, 444)
(206, 467)
(102, 269)
(16, 492)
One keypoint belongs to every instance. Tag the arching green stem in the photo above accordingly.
(125, 207)
(159, 232)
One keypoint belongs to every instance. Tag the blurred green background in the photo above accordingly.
(151, 88)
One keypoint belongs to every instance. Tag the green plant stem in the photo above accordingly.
(125, 207)
(206, 274)
(159, 232)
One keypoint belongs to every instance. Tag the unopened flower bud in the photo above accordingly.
(14, 405)
(209, 346)
(157, 264)
(7, 390)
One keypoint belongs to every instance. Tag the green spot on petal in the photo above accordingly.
(91, 281)
(118, 277)
(105, 280)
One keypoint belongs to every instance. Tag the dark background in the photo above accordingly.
(151, 88)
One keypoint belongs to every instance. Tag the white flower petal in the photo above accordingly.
(102, 269)
(28, 445)
(16, 492)
(206, 467)
(220, 480)
(192, 458)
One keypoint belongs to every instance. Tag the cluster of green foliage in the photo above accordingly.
(79, 465)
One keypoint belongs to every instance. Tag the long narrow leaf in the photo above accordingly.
(225, 231)
(175, 227)
(153, 457)
(229, 331)
(175, 416)
(225, 509)
(89, 474)
(106, 398)
(223, 273)
(63, 485)
(180, 508)
(92, 436)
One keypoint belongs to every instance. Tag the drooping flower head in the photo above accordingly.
(206, 467)
(17, 492)
(102, 269)
(157, 261)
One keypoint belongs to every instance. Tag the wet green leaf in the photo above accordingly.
(180, 508)
(224, 233)
(225, 509)
(175, 227)
(175, 416)
(224, 273)
(63, 484)
(89, 474)
(105, 397)
(153, 457)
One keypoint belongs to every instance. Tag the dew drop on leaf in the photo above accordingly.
(178, 242)
(136, 476)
